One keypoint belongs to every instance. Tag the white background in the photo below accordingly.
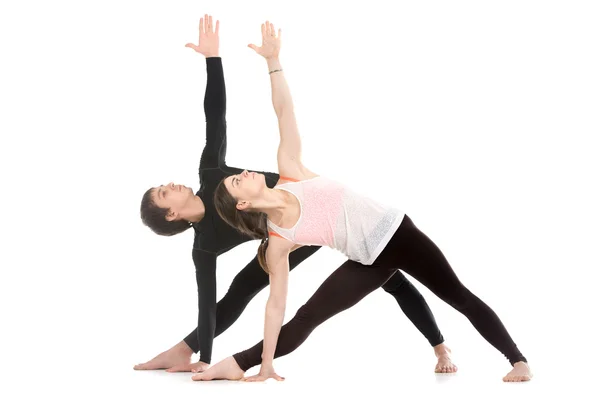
(477, 118)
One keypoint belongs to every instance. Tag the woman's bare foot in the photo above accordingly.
(519, 373)
(226, 369)
(444, 364)
(176, 356)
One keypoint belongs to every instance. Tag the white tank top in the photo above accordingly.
(332, 215)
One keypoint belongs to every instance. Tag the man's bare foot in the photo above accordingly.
(178, 355)
(444, 364)
(226, 369)
(519, 373)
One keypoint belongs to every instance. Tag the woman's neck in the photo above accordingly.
(276, 204)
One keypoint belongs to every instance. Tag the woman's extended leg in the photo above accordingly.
(416, 254)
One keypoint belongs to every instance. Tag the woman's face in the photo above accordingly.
(245, 187)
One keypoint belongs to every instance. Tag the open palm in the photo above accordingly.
(271, 41)
(208, 41)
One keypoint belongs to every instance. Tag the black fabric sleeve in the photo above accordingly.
(215, 148)
(206, 279)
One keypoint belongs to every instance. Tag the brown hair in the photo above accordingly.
(251, 223)
(154, 217)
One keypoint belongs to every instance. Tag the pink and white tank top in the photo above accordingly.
(333, 215)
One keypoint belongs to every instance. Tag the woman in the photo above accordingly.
(307, 209)
(171, 209)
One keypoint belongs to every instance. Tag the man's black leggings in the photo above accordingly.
(252, 279)
(409, 250)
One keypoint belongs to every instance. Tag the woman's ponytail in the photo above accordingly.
(262, 253)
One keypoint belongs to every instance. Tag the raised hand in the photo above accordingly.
(208, 41)
(271, 41)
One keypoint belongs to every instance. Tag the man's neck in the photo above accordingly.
(197, 210)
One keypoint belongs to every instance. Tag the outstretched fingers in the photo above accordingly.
(269, 30)
(200, 29)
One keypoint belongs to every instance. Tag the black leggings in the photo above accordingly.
(410, 250)
(252, 279)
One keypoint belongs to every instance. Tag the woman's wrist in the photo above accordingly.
(266, 367)
(273, 63)
(266, 361)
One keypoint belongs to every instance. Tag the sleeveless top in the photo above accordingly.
(333, 215)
